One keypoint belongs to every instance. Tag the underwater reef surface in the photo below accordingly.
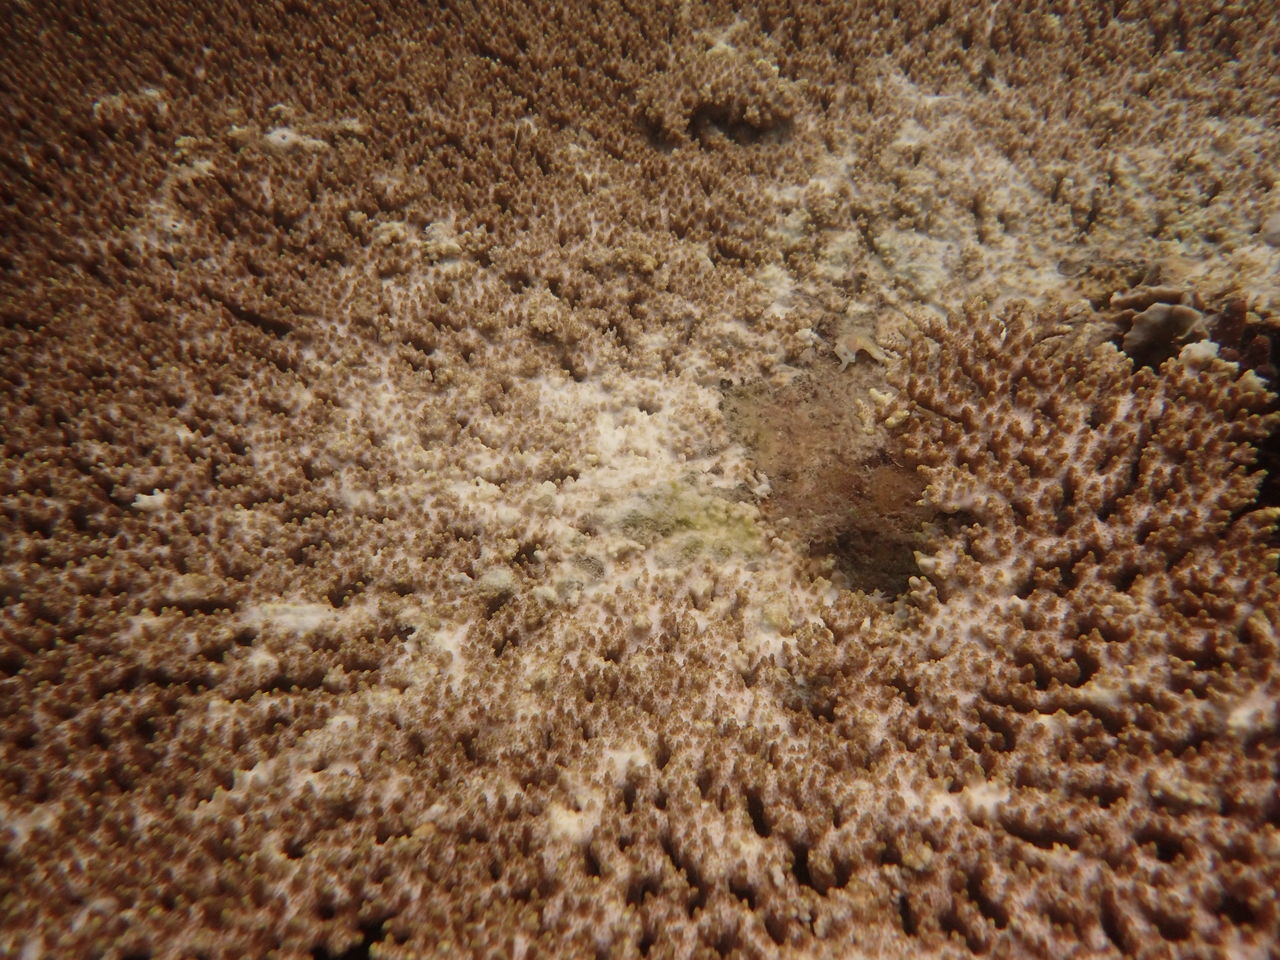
(639, 480)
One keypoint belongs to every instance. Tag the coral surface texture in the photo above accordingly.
(608, 479)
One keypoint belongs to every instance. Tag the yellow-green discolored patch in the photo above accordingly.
(682, 523)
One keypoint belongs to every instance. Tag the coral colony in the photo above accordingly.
(639, 480)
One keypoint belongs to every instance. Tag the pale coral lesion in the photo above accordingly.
(850, 343)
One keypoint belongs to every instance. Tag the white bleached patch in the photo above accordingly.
(288, 140)
(291, 617)
(153, 502)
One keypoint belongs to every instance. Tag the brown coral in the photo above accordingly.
(1105, 567)
(381, 576)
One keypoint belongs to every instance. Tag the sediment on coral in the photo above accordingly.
(838, 485)
(521, 480)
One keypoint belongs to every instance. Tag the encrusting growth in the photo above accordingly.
(514, 480)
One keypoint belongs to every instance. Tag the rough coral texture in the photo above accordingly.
(406, 551)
